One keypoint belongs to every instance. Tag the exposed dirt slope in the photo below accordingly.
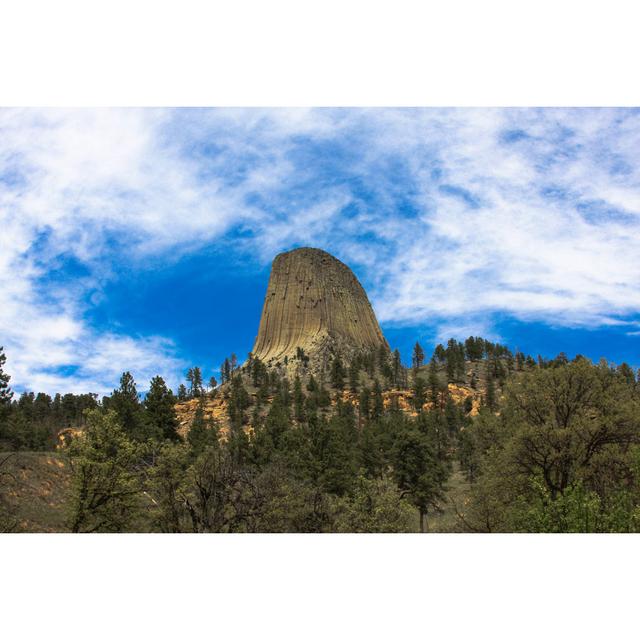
(33, 490)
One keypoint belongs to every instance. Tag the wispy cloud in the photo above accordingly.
(450, 216)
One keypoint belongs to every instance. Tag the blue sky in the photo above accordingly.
(141, 239)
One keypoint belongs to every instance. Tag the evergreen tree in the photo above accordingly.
(312, 385)
(159, 410)
(189, 378)
(418, 356)
(182, 393)
(383, 357)
(490, 398)
(5, 391)
(397, 369)
(626, 372)
(450, 366)
(451, 416)
(378, 402)
(354, 376)
(233, 363)
(298, 400)
(5, 395)
(434, 382)
(194, 378)
(238, 402)
(419, 393)
(419, 472)
(202, 433)
(337, 373)
(333, 451)
(225, 371)
(105, 482)
(124, 401)
(277, 422)
(258, 372)
(364, 405)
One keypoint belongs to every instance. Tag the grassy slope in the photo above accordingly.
(34, 488)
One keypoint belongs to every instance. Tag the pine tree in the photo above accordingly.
(194, 378)
(337, 373)
(419, 472)
(418, 356)
(434, 383)
(182, 393)
(364, 405)
(491, 395)
(298, 400)
(225, 371)
(378, 401)
(189, 378)
(383, 357)
(105, 489)
(159, 412)
(451, 416)
(626, 372)
(239, 401)
(419, 393)
(202, 433)
(5, 391)
(354, 376)
(233, 363)
(124, 401)
(277, 421)
(397, 369)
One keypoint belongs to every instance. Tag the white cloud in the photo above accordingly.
(112, 187)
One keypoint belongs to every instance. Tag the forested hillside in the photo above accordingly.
(476, 438)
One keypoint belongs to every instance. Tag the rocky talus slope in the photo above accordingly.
(314, 302)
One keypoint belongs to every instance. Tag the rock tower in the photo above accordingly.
(315, 303)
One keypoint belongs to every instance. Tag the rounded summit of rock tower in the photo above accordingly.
(315, 303)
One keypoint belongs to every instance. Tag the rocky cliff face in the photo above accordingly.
(314, 302)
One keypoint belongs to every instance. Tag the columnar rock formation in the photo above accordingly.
(315, 303)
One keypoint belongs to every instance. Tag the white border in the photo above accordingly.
(314, 586)
(313, 53)
(275, 52)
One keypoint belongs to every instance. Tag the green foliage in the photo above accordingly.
(337, 373)
(159, 413)
(418, 356)
(167, 484)
(419, 393)
(397, 370)
(238, 402)
(298, 400)
(419, 472)
(194, 378)
(561, 456)
(5, 390)
(124, 401)
(374, 506)
(555, 448)
(33, 421)
(105, 485)
(203, 433)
